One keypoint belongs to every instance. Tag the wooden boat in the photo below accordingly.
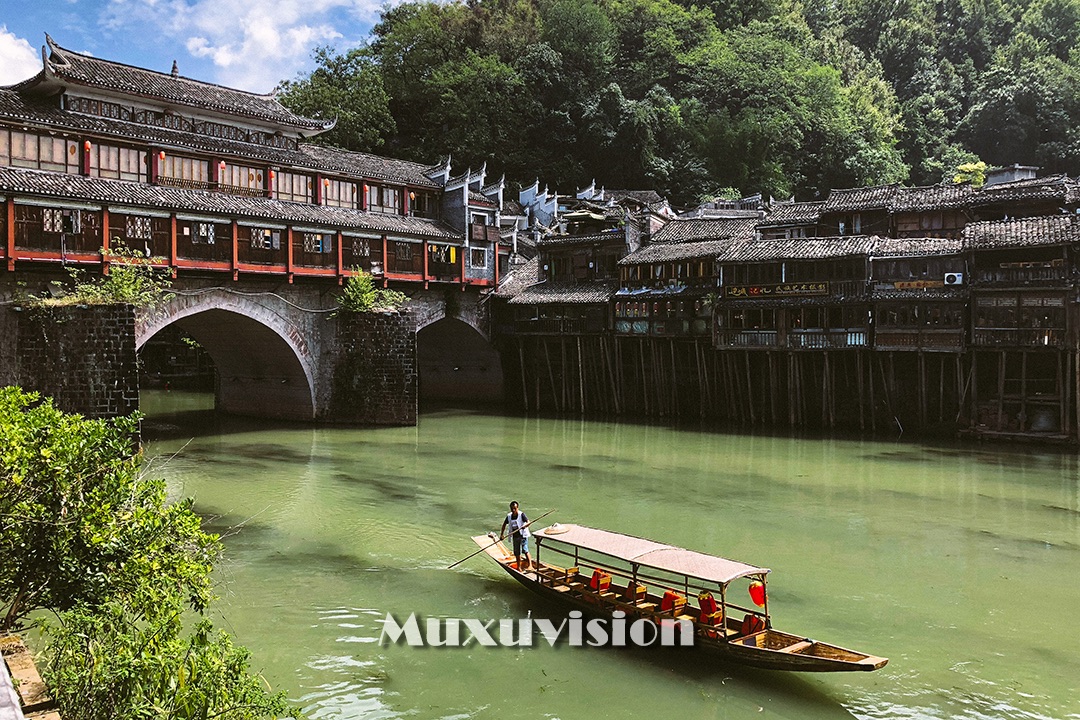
(600, 572)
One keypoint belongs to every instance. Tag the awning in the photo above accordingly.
(655, 555)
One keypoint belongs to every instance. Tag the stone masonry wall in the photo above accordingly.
(373, 370)
(83, 357)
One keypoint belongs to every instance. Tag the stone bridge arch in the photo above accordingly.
(455, 358)
(265, 347)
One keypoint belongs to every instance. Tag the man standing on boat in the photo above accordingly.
(519, 531)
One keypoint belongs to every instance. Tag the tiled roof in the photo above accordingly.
(515, 281)
(1049, 230)
(15, 107)
(681, 230)
(671, 252)
(584, 240)
(365, 165)
(512, 207)
(855, 199)
(77, 187)
(799, 249)
(585, 293)
(795, 213)
(476, 198)
(932, 197)
(914, 247)
(73, 68)
(1054, 187)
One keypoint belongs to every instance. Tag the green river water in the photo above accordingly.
(959, 563)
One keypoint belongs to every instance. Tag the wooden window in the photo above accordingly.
(52, 220)
(423, 205)
(478, 258)
(340, 193)
(247, 180)
(138, 227)
(318, 242)
(383, 199)
(202, 233)
(403, 250)
(41, 152)
(361, 248)
(294, 187)
(184, 171)
(265, 239)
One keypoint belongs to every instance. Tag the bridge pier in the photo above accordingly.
(281, 351)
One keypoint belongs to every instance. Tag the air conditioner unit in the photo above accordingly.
(954, 278)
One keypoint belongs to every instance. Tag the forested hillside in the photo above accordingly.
(770, 96)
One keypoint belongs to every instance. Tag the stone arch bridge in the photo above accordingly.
(281, 351)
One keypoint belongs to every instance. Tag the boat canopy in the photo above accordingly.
(653, 554)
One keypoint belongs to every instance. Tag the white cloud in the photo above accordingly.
(18, 59)
(253, 45)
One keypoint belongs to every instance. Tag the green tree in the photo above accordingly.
(86, 536)
(347, 88)
(361, 295)
(1027, 109)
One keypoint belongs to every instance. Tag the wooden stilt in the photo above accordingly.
(581, 375)
(524, 381)
(551, 376)
(862, 399)
(1001, 390)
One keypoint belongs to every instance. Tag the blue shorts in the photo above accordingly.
(521, 544)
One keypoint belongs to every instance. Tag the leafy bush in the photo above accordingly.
(360, 294)
(134, 278)
(88, 537)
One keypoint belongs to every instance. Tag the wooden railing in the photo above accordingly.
(919, 339)
(1019, 337)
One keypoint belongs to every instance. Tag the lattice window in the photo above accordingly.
(317, 243)
(478, 258)
(139, 227)
(361, 248)
(202, 233)
(265, 239)
(52, 220)
(403, 251)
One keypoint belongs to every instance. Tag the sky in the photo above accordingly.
(247, 44)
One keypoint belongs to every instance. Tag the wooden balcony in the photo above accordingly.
(1019, 337)
(928, 339)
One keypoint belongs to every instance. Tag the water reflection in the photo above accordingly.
(958, 563)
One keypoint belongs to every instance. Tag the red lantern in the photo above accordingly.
(161, 155)
(271, 174)
(221, 164)
(757, 593)
(86, 146)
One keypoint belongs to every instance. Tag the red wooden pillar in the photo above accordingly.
(425, 246)
(235, 251)
(268, 182)
(156, 159)
(496, 264)
(464, 249)
(288, 253)
(317, 190)
(104, 241)
(85, 158)
(385, 260)
(172, 243)
(10, 210)
(363, 199)
(406, 206)
(216, 166)
(340, 259)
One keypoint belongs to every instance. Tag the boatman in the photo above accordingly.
(519, 531)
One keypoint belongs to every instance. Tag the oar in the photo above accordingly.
(500, 539)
